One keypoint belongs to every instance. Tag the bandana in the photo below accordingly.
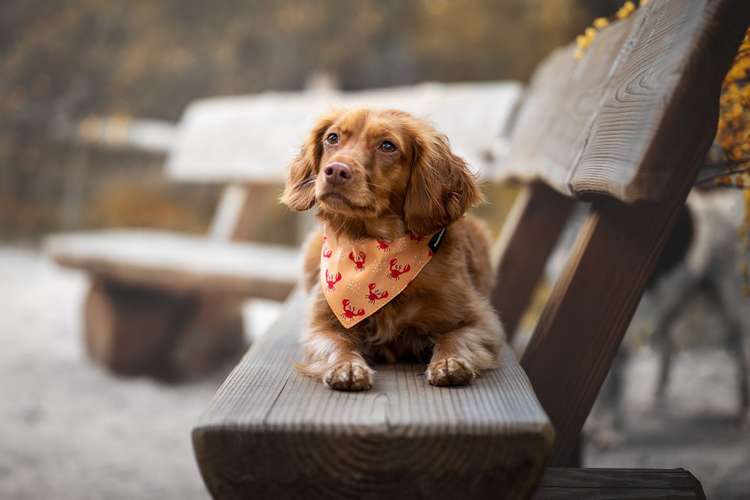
(358, 277)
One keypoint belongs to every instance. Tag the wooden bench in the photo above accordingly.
(168, 304)
(163, 302)
(627, 127)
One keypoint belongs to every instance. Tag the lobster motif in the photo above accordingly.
(374, 294)
(327, 252)
(349, 311)
(331, 280)
(396, 269)
(359, 259)
(383, 245)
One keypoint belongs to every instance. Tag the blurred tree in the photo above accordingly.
(62, 61)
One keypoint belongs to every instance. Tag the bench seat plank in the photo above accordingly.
(604, 484)
(270, 430)
(180, 263)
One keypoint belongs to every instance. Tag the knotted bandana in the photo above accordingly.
(358, 277)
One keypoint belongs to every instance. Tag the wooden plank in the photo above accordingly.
(528, 237)
(180, 263)
(590, 308)
(253, 138)
(593, 301)
(605, 125)
(228, 212)
(271, 432)
(605, 484)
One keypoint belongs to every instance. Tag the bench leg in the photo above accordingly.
(528, 237)
(130, 330)
(140, 331)
(590, 308)
(214, 337)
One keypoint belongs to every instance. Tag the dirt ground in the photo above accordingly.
(72, 431)
(694, 428)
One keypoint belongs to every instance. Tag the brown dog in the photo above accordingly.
(385, 175)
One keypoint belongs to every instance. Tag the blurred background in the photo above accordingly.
(64, 63)
(77, 78)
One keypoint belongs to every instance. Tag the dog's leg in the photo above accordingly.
(616, 380)
(664, 341)
(735, 343)
(607, 417)
(666, 347)
(332, 357)
(459, 355)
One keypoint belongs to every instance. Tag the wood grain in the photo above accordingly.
(528, 237)
(270, 431)
(595, 126)
(593, 301)
(615, 484)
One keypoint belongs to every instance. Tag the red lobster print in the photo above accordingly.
(331, 280)
(327, 252)
(383, 245)
(349, 312)
(396, 269)
(375, 294)
(359, 259)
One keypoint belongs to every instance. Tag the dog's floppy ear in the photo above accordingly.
(299, 192)
(441, 187)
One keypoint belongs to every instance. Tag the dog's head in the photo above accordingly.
(367, 164)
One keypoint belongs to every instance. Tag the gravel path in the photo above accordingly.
(70, 430)
(695, 428)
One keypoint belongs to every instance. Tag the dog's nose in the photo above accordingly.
(338, 173)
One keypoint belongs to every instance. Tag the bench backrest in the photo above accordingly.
(248, 141)
(630, 122)
(251, 139)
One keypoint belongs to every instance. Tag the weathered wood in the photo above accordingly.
(615, 484)
(590, 308)
(137, 331)
(605, 125)
(228, 212)
(180, 263)
(593, 301)
(272, 433)
(252, 138)
(130, 331)
(528, 237)
(213, 337)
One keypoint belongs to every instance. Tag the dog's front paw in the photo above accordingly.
(349, 376)
(449, 371)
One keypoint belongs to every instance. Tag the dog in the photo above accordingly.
(384, 182)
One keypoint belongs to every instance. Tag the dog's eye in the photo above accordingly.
(387, 146)
(332, 138)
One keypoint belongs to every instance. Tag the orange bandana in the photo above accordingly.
(359, 277)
